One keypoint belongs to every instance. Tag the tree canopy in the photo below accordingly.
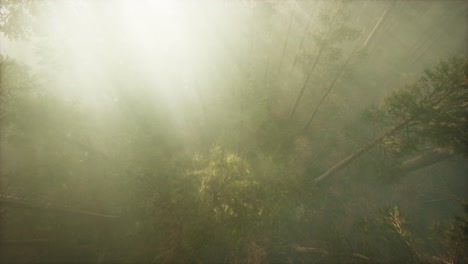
(233, 131)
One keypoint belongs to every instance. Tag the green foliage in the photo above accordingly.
(228, 185)
(388, 232)
(397, 222)
(132, 153)
(436, 105)
(437, 93)
(333, 32)
(452, 237)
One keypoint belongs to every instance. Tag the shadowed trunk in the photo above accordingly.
(424, 160)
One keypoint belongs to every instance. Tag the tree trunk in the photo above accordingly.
(306, 126)
(285, 45)
(376, 27)
(421, 161)
(316, 60)
(366, 42)
(345, 162)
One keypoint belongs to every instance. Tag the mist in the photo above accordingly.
(233, 131)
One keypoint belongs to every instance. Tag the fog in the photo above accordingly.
(233, 131)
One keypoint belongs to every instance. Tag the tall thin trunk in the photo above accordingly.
(328, 91)
(376, 27)
(285, 45)
(304, 36)
(436, 37)
(346, 161)
(429, 33)
(366, 43)
(317, 58)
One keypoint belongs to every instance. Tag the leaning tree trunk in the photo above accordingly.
(345, 162)
(374, 30)
(424, 160)
(366, 42)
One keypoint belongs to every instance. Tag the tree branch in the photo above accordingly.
(5, 201)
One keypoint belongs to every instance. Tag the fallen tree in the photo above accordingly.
(435, 109)
(340, 165)
(424, 160)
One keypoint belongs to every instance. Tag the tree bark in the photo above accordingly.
(345, 162)
(424, 160)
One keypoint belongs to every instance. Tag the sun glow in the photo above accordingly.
(168, 45)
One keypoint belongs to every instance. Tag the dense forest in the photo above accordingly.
(261, 131)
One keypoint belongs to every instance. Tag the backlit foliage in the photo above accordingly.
(228, 185)
(178, 131)
(436, 104)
